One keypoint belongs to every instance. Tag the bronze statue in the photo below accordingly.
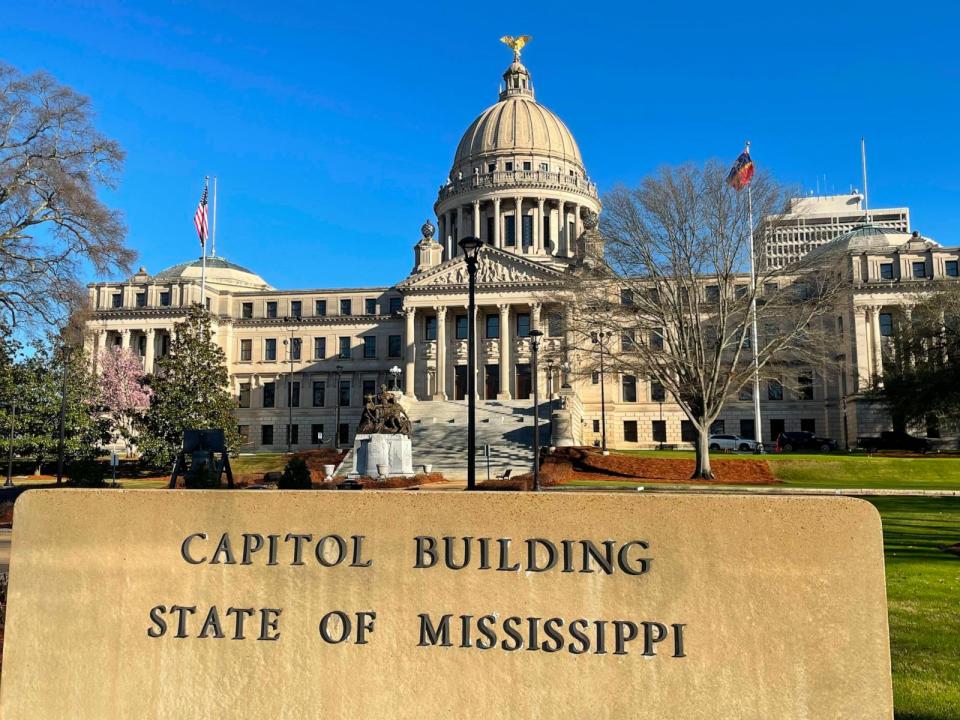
(383, 414)
(516, 43)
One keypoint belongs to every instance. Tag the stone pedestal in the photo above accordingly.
(562, 428)
(394, 451)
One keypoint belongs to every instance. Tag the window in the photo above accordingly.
(628, 341)
(244, 432)
(656, 339)
(951, 269)
(266, 434)
(526, 224)
(430, 328)
(746, 429)
(369, 346)
(319, 393)
(769, 289)
(595, 377)
(919, 270)
(596, 426)
(369, 388)
(396, 305)
(508, 166)
(719, 427)
(293, 434)
(630, 431)
(712, 294)
(296, 348)
(343, 433)
(246, 350)
(886, 324)
(658, 430)
(688, 433)
(509, 233)
(774, 390)
(777, 426)
(316, 434)
(370, 306)
(547, 240)
(544, 167)
(808, 425)
(293, 394)
(272, 309)
(320, 308)
(319, 348)
(461, 327)
(740, 292)
(523, 324)
(394, 346)
(270, 349)
(527, 165)
(491, 167)
(493, 326)
(629, 386)
(886, 271)
(344, 353)
(142, 345)
(142, 299)
(244, 399)
(165, 301)
(296, 308)
(117, 300)
(657, 392)
(343, 397)
(626, 296)
(554, 325)
(746, 393)
(269, 394)
(346, 308)
(805, 387)
(246, 310)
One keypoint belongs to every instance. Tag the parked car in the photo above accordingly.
(790, 441)
(733, 442)
(891, 440)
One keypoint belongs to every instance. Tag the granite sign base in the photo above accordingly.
(375, 452)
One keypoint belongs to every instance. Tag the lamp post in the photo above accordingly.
(13, 429)
(65, 359)
(471, 249)
(597, 337)
(289, 345)
(336, 430)
(535, 336)
(551, 375)
(395, 377)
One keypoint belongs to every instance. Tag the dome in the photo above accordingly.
(220, 273)
(517, 125)
(869, 238)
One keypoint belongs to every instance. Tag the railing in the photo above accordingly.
(519, 178)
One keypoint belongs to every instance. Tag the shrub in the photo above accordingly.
(87, 473)
(296, 475)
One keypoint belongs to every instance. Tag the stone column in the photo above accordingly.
(126, 338)
(535, 315)
(411, 355)
(504, 393)
(576, 231)
(861, 341)
(440, 390)
(538, 228)
(476, 218)
(442, 232)
(148, 356)
(877, 348)
(497, 240)
(561, 230)
(460, 232)
(518, 224)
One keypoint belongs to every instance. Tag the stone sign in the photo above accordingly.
(424, 605)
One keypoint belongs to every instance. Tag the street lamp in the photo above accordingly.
(13, 428)
(395, 377)
(65, 359)
(551, 391)
(471, 249)
(289, 345)
(597, 337)
(336, 430)
(535, 336)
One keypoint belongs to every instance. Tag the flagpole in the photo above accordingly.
(757, 427)
(866, 194)
(213, 247)
(203, 262)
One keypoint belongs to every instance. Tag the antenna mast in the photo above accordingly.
(863, 162)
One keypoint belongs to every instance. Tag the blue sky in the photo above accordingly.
(331, 125)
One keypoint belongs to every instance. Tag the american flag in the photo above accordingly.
(200, 217)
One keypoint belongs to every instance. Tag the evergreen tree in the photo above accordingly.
(190, 390)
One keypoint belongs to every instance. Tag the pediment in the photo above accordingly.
(495, 268)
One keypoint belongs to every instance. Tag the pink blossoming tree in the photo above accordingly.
(122, 390)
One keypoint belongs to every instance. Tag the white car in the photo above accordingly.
(733, 442)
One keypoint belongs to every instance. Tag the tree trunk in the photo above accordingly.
(702, 470)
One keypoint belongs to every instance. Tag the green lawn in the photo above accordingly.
(923, 594)
(846, 470)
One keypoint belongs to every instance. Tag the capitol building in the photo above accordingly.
(518, 182)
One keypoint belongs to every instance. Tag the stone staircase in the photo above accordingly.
(440, 435)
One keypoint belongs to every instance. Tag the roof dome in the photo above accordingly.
(220, 273)
(517, 124)
(868, 238)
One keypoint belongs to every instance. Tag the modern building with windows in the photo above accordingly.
(519, 183)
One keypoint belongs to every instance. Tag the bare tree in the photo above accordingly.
(674, 284)
(52, 223)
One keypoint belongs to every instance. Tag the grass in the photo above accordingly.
(923, 590)
(846, 470)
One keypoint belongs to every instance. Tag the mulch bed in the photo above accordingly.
(570, 464)
(390, 483)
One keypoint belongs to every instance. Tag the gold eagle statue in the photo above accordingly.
(516, 43)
